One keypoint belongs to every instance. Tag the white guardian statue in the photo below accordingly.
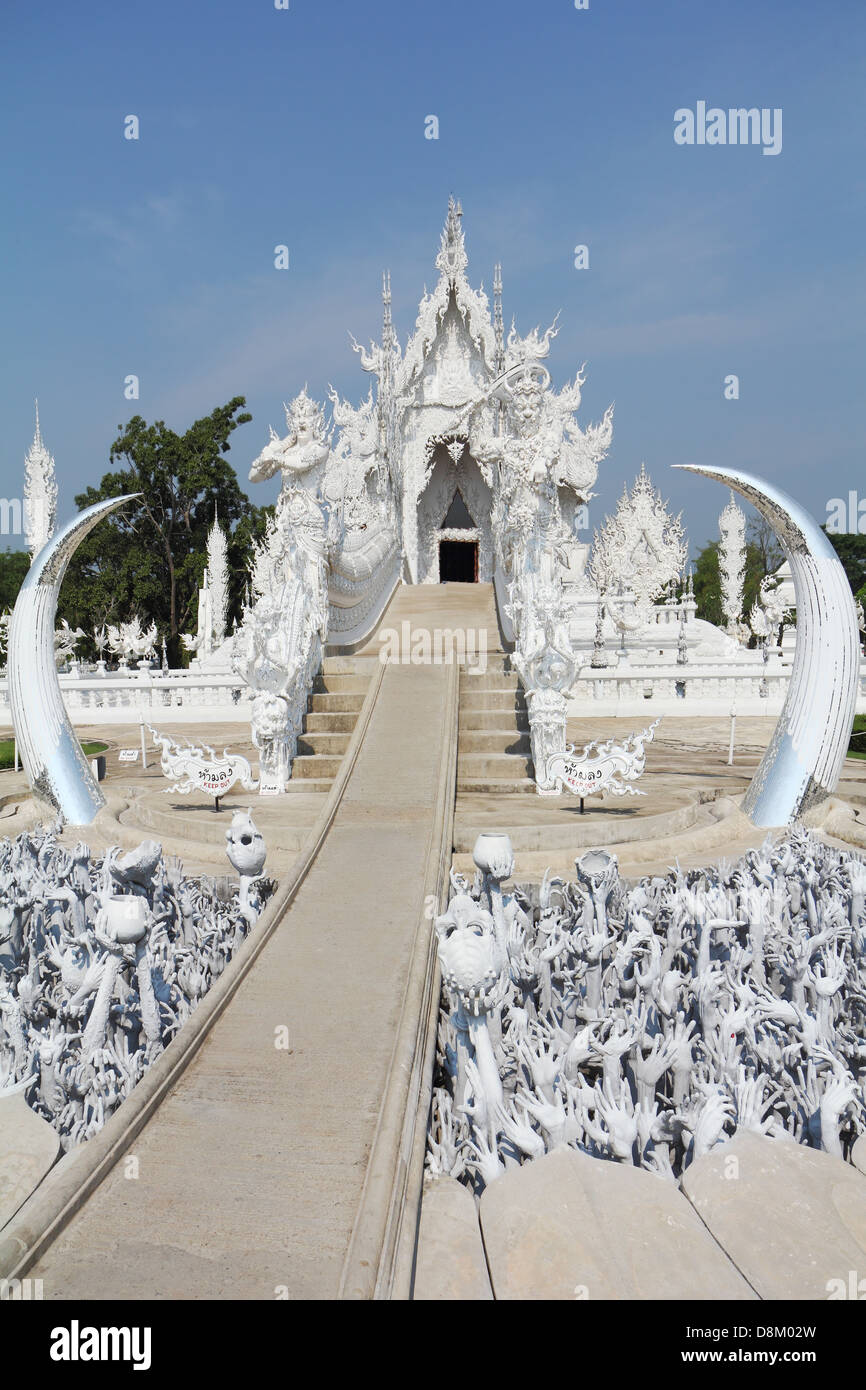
(278, 649)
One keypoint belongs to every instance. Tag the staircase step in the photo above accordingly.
(340, 682)
(495, 765)
(499, 721)
(317, 765)
(361, 666)
(492, 786)
(330, 723)
(513, 700)
(493, 741)
(337, 704)
(488, 680)
(204, 836)
(332, 743)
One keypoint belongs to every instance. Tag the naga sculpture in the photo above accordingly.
(323, 546)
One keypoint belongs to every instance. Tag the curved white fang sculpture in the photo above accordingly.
(804, 758)
(51, 754)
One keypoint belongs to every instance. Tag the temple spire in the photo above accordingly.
(385, 376)
(387, 324)
(498, 322)
(452, 259)
(40, 493)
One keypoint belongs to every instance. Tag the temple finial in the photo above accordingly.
(498, 322)
(387, 325)
(452, 259)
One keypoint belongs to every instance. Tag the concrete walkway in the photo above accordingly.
(250, 1173)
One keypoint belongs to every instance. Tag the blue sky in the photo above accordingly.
(306, 127)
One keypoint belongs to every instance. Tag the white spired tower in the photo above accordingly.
(40, 494)
(218, 575)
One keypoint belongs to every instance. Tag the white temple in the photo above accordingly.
(464, 464)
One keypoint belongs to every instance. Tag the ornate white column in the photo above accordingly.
(732, 564)
(40, 493)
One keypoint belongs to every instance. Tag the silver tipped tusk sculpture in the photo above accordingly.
(805, 755)
(51, 754)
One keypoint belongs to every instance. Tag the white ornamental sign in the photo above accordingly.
(190, 769)
(609, 766)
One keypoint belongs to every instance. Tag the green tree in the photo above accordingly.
(765, 547)
(708, 589)
(14, 564)
(149, 557)
(851, 549)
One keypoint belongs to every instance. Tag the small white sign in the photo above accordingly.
(270, 786)
(190, 769)
(128, 755)
(612, 768)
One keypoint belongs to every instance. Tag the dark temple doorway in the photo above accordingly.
(458, 562)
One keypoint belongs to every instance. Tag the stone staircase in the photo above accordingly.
(334, 706)
(493, 750)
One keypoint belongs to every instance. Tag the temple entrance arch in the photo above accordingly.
(458, 544)
(455, 538)
(458, 562)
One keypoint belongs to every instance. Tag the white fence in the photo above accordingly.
(628, 690)
(119, 697)
(689, 691)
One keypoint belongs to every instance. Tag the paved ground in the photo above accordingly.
(187, 826)
(686, 813)
(251, 1171)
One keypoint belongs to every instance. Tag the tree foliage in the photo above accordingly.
(14, 565)
(851, 549)
(149, 557)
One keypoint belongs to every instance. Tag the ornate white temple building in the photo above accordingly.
(465, 464)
